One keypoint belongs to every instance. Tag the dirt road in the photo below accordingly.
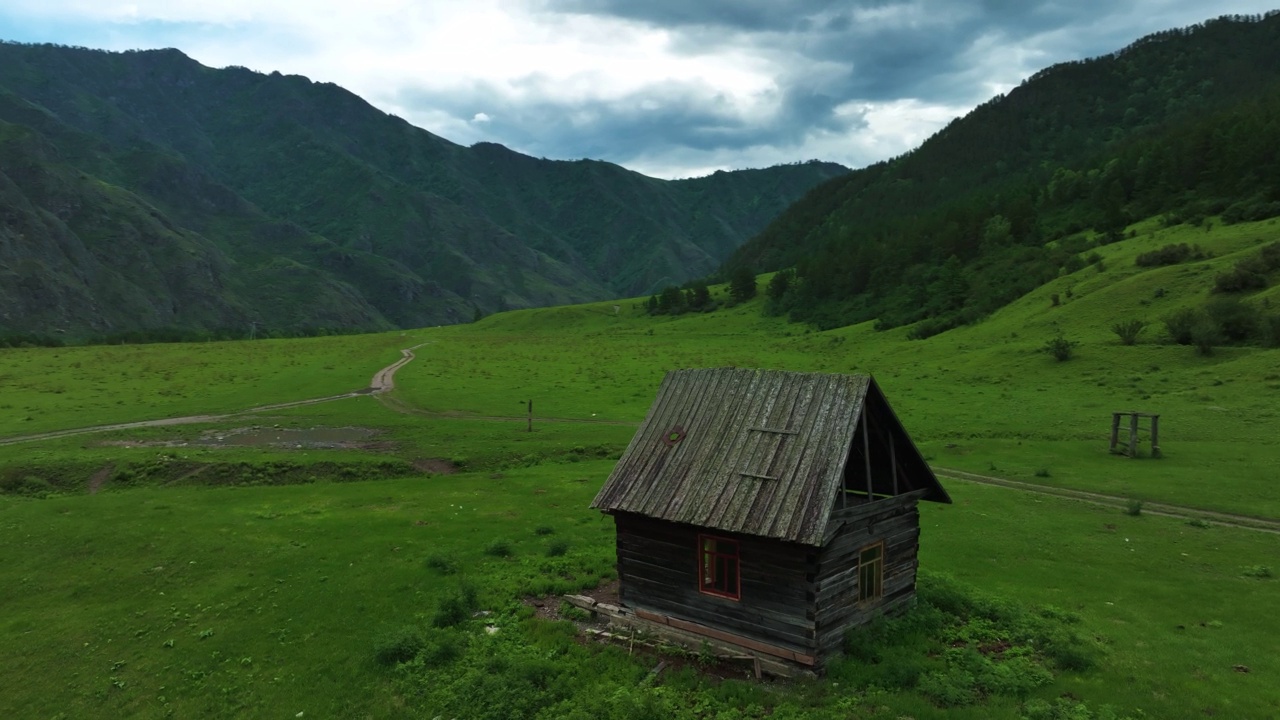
(383, 381)
(1247, 522)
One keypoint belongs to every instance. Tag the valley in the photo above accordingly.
(186, 583)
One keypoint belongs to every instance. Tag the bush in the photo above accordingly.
(1128, 331)
(455, 607)
(1181, 323)
(929, 327)
(1169, 255)
(1205, 335)
(1133, 507)
(557, 548)
(949, 688)
(442, 564)
(498, 548)
(398, 646)
(1237, 320)
(1270, 331)
(1261, 572)
(1060, 348)
(544, 529)
(1239, 279)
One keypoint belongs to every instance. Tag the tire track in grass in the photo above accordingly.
(1182, 512)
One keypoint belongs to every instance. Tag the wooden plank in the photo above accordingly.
(728, 637)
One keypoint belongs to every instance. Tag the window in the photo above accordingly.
(718, 566)
(871, 572)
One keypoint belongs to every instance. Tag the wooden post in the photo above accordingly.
(530, 428)
(1155, 436)
(1115, 430)
(1133, 435)
(893, 463)
(866, 450)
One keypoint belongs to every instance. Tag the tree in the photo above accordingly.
(699, 296)
(671, 301)
(742, 284)
(780, 284)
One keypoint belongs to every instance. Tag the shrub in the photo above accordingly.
(1180, 324)
(949, 688)
(398, 646)
(455, 607)
(1237, 320)
(498, 548)
(442, 564)
(1270, 327)
(1133, 507)
(1205, 335)
(1060, 348)
(557, 548)
(1042, 473)
(1261, 572)
(1241, 278)
(1169, 255)
(929, 327)
(544, 529)
(1128, 331)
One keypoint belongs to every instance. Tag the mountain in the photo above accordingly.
(143, 190)
(1184, 124)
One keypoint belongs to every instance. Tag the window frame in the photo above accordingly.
(863, 597)
(703, 555)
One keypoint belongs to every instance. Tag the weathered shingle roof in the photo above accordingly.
(753, 451)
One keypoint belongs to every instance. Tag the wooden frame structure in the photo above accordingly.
(1130, 448)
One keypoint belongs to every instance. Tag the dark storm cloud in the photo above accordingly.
(888, 50)
(658, 119)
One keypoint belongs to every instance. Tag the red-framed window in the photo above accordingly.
(719, 567)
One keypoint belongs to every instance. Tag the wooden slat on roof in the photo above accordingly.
(740, 427)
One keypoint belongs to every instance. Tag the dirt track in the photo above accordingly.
(382, 381)
(1246, 522)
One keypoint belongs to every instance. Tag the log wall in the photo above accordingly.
(794, 596)
(896, 523)
(658, 570)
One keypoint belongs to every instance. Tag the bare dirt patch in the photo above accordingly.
(97, 480)
(435, 466)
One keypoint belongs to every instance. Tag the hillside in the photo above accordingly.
(194, 570)
(1181, 124)
(303, 207)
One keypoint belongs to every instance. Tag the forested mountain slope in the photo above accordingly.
(310, 208)
(1184, 123)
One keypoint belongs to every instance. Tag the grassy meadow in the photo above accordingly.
(164, 572)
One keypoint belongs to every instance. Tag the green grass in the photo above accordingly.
(54, 389)
(299, 584)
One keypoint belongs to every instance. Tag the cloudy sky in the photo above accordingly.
(673, 88)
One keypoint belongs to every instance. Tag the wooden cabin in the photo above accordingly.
(771, 510)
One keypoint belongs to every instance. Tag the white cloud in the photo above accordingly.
(757, 83)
